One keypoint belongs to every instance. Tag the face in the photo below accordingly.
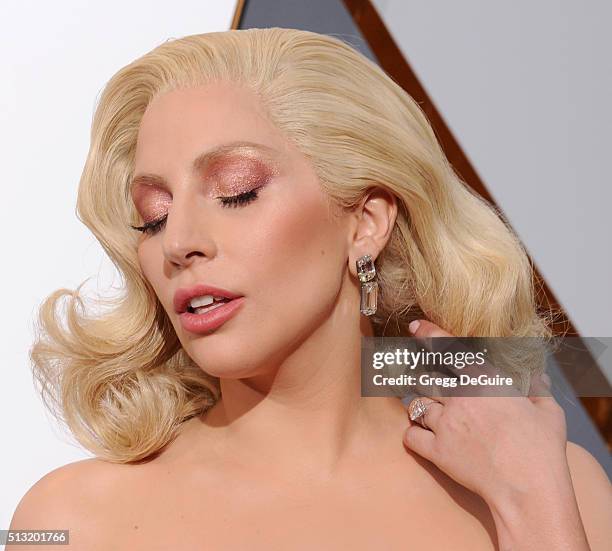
(250, 219)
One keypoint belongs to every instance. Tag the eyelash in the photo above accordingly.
(240, 200)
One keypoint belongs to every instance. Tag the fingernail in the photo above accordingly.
(413, 326)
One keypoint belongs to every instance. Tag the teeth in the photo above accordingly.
(204, 300)
(207, 308)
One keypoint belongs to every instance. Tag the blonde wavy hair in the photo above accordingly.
(120, 379)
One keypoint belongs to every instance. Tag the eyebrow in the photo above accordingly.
(208, 157)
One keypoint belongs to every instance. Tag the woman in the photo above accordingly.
(256, 168)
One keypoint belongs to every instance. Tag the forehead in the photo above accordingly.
(180, 124)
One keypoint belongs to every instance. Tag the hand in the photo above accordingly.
(510, 450)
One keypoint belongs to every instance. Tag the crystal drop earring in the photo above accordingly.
(366, 271)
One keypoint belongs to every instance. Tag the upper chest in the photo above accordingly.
(384, 511)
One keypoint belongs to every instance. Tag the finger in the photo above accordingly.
(435, 384)
(424, 330)
(540, 387)
(432, 415)
(421, 441)
(470, 360)
(417, 407)
(427, 331)
(424, 411)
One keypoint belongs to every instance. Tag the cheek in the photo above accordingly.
(295, 258)
(148, 258)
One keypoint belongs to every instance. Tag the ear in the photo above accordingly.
(371, 224)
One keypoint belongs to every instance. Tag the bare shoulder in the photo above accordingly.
(593, 495)
(69, 498)
(585, 469)
(62, 490)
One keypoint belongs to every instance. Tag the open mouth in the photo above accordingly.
(203, 309)
(208, 318)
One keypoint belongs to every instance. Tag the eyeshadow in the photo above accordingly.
(151, 202)
(237, 174)
(227, 170)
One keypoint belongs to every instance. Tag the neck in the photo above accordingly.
(305, 413)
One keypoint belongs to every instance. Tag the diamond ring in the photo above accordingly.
(416, 411)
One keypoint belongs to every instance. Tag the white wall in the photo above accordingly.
(526, 87)
(56, 57)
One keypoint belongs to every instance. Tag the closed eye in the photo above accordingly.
(242, 199)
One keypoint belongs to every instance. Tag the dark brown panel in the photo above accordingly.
(392, 60)
(237, 15)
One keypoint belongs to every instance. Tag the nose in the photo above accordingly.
(185, 237)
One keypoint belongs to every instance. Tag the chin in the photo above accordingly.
(226, 355)
(226, 368)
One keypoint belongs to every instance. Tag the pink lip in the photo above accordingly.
(185, 294)
(204, 323)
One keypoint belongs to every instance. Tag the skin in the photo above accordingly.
(292, 457)
(527, 487)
